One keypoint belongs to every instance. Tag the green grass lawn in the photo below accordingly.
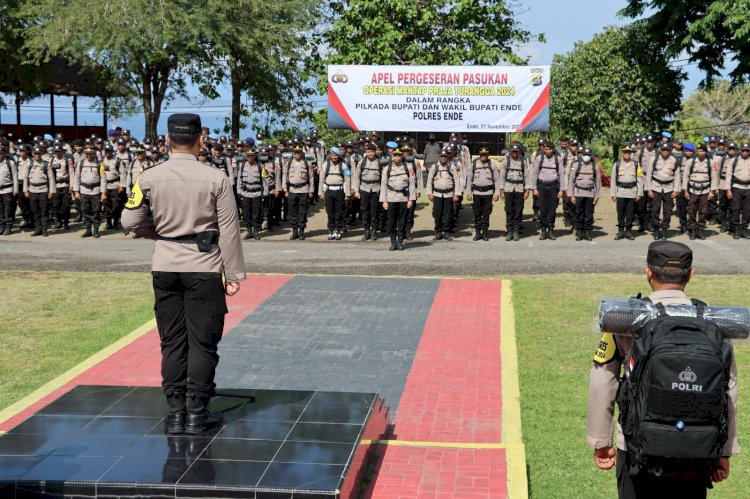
(556, 346)
(53, 321)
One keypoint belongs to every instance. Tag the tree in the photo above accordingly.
(712, 33)
(427, 32)
(16, 76)
(720, 110)
(613, 86)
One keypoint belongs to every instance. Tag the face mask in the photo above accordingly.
(586, 158)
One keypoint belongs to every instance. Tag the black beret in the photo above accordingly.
(669, 254)
(187, 124)
(703, 147)
(370, 146)
(484, 151)
(515, 147)
(219, 147)
(444, 152)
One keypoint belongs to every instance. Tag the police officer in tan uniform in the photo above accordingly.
(698, 182)
(252, 187)
(62, 165)
(9, 188)
(584, 190)
(626, 191)
(514, 181)
(668, 271)
(397, 193)
(39, 188)
(114, 172)
(90, 188)
(737, 187)
(366, 187)
(191, 212)
(663, 186)
(443, 187)
(334, 188)
(482, 189)
(299, 187)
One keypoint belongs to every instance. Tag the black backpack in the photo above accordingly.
(674, 403)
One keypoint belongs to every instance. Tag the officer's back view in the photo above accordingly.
(190, 210)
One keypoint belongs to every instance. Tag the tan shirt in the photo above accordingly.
(89, 179)
(186, 198)
(250, 181)
(548, 170)
(482, 179)
(40, 178)
(514, 174)
(114, 172)
(366, 177)
(443, 180)
(585, 181)
(662, 176)
(8, 176)
(62, 170)
(604, 381)
(740, 172)
(399, 186)
(336, 178)
(298, 178)
(627, 174)
(701, 180)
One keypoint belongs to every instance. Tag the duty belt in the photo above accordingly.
(6, 186)
(90, 186)
(699, 185)
(548, 182)
(662, 182)
(191, 239)
(38, 184)
(404, 192)
(482, 188)
(509, 181)
(370, 182)
(251, 187)
(735, 180)
(297, 186)
(626, 185)
(444, 191)
(588, 189)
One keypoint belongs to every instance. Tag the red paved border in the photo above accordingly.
(139, 363)
(453, 395)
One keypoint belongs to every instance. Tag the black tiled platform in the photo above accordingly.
(108, 442)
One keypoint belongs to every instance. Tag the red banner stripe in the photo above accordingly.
(541, 103)
(334, 101)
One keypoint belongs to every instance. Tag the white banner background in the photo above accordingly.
(493, 99)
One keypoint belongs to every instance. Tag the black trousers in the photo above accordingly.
(643, 211)
(681, 206)
(90, 206)
(38, 203)
(567, 207)
(548, 204)
(482, 211)
(282, 207)
(352, 210)
(298, 210)
(410, 212)
(456, 213)
(252, 212)
(269, 206)
(662, 203)
(111, 205)
(442, 212)
(740, 207)
(584, 219)
(625, 211)
(397, 219)
(697, 211)
(335, 209)
(7, 209)
(62, 206)
(513, 211)
(645, 485)
(25, 204)
(370, 202)
(724, 213)
(190, 309)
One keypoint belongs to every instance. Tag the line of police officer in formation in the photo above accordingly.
(379, 184)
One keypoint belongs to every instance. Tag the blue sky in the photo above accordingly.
(562, 23)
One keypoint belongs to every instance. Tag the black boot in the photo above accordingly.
(96, 231)
(509, 235)
(373, 235)
(248, 234)
(108, 224)
(587, 234)
(737, 233)
(6, 231)
(393, 246)
(535, 218)
(691, 235)
(302, 234)
(516, 235)
(174, 424)
(87, 232)
(409, 235)
(37, 232)
(337, 235)
(366, 237)
(295, 235)
(579, 235)
(400, 243)
(485, 235)
(438, 236)
(620, 234)
(199, 419)
(663, 234)
(657, 234)
(477, 235)
(701, 235)
(330, 235)
(256, 235)
(629, 235)
(566, 221)
(44, 231)
(551, 234)
(448, 236)
(543, 235)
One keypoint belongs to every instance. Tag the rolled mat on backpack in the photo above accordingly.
(626, 316)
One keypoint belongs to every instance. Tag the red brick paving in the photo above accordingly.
(453, 395)
(139, 363)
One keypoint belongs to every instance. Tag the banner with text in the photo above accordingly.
(493, 99)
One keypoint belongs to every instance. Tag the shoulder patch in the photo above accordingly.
(135, 200)
(607, 350)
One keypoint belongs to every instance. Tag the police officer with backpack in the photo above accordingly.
(690, 406)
